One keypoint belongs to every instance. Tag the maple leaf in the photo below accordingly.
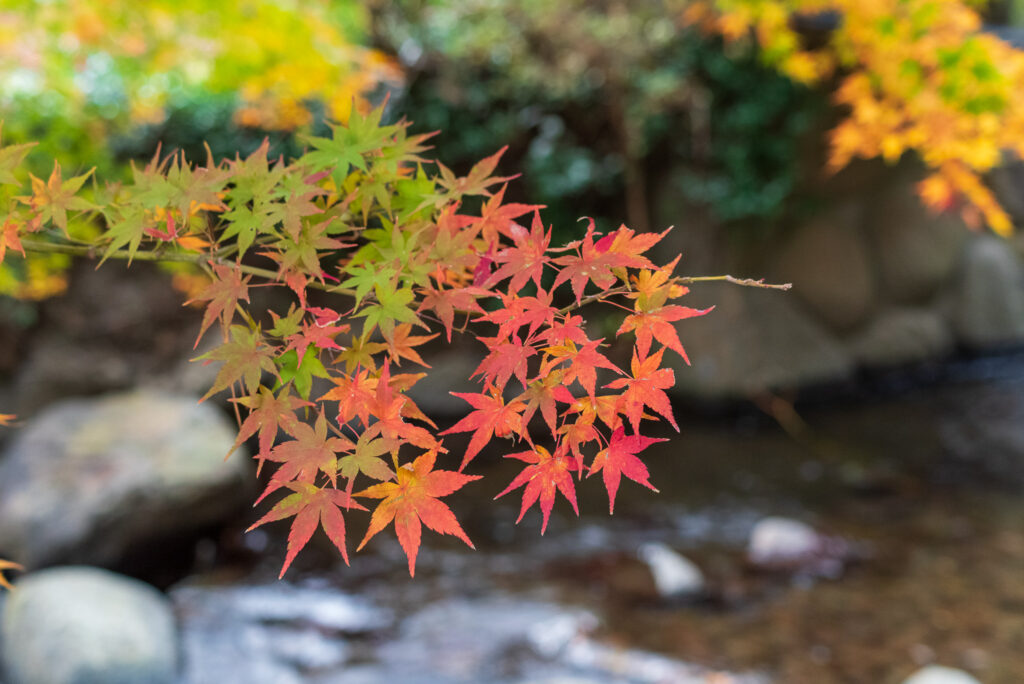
(9, 238)
(496, 219)
(541, 394)
(658, 323)
(527, 259)
(583, 363)
(354, 395)
(645, 389)
(596, 260)
(311, 506)
(445, 302)
(544, 475)
(313, 334)
(6, 418)
(491, 417)
(477, 180)
(506, 357)
(618, 459)
(574, 435)
(54, 197)
(516, 311)
(366, 460)
(245, 358)
(227, 289)
(414, 499)
(401, 345)
(7, 565)
(391, 307)
(307, 455)
(386, 406)
(268, 414)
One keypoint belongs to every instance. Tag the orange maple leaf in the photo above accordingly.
(414, 499)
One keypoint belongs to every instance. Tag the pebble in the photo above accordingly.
(937, 674)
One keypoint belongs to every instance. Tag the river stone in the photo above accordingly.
(80, 625)
(778, 541)
(988, 306)
(901, 335)
(916, 250)
(675, 576)
(827, 261)
(89, 479)
(937, 674)
(754, 340)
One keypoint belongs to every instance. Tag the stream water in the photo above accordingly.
(922, 479)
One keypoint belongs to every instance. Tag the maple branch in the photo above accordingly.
(92, 252)
(745, 282)
(681, 280)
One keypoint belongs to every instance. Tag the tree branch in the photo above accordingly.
(92, 252)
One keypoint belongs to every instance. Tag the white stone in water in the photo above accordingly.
(777, 540)
(937, 674)
(674, 575)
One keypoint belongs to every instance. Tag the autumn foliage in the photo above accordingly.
(379, 254)
(914, 75)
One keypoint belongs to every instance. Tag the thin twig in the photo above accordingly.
(745, 282)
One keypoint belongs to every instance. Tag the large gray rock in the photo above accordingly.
(901, 335)
(754, 340)
(827, 261)
(987, 307)
(80, 625)
(87, 479)
(916, 249)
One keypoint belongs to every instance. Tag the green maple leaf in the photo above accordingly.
(366, 460)
(301, 375)
(348, 145)
(392, 306)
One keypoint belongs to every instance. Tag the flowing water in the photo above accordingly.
(922, 479)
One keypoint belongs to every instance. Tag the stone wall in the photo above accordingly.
(878, 281)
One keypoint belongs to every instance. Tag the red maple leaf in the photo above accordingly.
(491, 416)
(542, 477)
(227, 289)
(645, 389)
(516, 311)
(526, 260)
(445, 303)
(311, 506)
(658, 323)
(387, 407)
(507, 357)
(307, 455)
(414, 499)
(618, 459)
(496, 219)
(621, 249)
(315, 335)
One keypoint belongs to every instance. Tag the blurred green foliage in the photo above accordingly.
(600, 102)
